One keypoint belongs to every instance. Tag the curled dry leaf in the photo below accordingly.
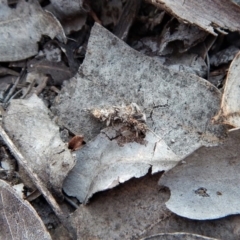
(224, 56)
(75, 143)
(19, 34)
(113, 157)
(204, 14)
(71, 14)
(230, 107)
(183, 35)
(37, 137)
(18, 219)
(206, 185)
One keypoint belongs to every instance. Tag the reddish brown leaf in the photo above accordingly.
(76, 142)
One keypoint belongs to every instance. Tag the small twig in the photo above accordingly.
(208, 66)
(41, 86)
(154, 134)
(55, 89)
(15, 94)
(70, 201)
(29, 88)
(5, 71)
(38, 183)
(35, 194)
(95, 17)
(13, 87)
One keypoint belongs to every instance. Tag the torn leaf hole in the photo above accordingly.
(202, 192)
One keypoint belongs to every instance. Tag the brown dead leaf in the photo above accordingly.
(126, 19)
(75, 143)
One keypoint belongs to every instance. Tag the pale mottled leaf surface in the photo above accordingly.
(37, 137)
(103, 164)
(178, 106)
(206, 185)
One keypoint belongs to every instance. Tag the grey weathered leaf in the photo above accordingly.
(224, 56)
(22, 27)
(230, 108)
(204, 14)
(187, 62)
(18, 219)
(71, 14)
(68, 8)
(178, 106)
(103, 164)
(136, 209)
(186, 34)
(37, 137)
(206, 185)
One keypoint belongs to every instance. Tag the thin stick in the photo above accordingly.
(38, 183)
(14, 87)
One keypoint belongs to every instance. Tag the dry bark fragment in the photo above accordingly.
(204, 14)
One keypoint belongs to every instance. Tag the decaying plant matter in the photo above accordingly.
(131, 115)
